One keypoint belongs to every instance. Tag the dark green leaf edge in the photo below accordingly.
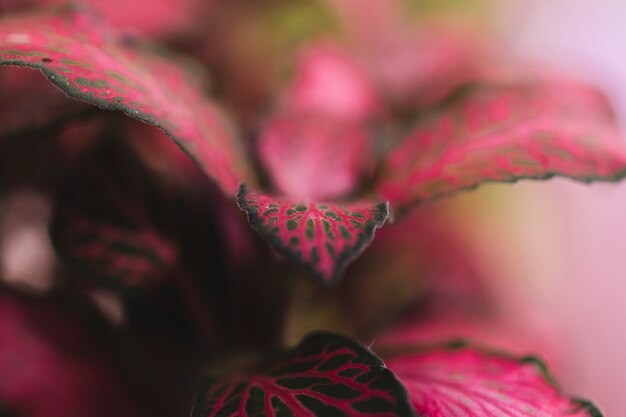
(59, 80)
(343, 261)
(460, 93)
(400, 393)
(532, 360)
(401, 210)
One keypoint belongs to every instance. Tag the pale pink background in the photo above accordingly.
(584, 287)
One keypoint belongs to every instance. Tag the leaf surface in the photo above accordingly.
(53, 363)
(110, 218)
(315, 157)
(415, 69)
(468, 382)
(329, 81)
(321, 237)
(90, 62)
(506, 133)
(327, 375)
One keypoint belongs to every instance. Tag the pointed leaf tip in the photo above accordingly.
(468, 382)
(321, 237)
(325, 375)
(92, 63)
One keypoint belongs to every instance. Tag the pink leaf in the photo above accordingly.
(22, 116)
(420, 68)
(515, 337)
(322, 237)
(315, 157)
(326, 375)
(150, 17)
(90, 62)
(329, 82)
(520, 131)
(468, 382)
(411, 67)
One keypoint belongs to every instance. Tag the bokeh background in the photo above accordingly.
(554, 252)
(583, 286)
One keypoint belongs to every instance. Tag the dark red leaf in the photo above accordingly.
(90, 62)
(109, 221)
(326, 375)
(53, 366)
(508, 133)
(468, 382)
(322, 237)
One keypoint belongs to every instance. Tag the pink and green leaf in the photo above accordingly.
(321, 237)
(313, 156)
(325, 375)
(22, 116)
(467, 382)
(423, 328)
(91, 62)
(506, 133)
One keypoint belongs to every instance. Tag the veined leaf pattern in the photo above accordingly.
(90, 62)
(327, 375)
(468, 382)
(506, 133)
(322, 237)
(101, 228)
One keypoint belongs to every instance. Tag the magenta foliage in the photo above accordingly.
(51, 365)
(322, 236)
(326, 375)
(91, 62)
(335, 162)
(469, 382)
(317, 150)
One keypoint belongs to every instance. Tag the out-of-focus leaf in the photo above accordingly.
(315, 157)
(321, 237)
(318, 145)
(411, 67)
(90, 62)
(329, 81)
(325, 375)
(150, 17)
(506, 133)
(109, 221)
(425, 328)
(468, 382)
(52, 366)
(24, 115)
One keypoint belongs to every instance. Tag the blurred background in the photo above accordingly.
(579, 280)
(552, 252)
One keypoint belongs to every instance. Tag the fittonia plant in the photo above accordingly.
(339, 156)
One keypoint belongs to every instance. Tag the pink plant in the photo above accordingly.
(352, 141)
